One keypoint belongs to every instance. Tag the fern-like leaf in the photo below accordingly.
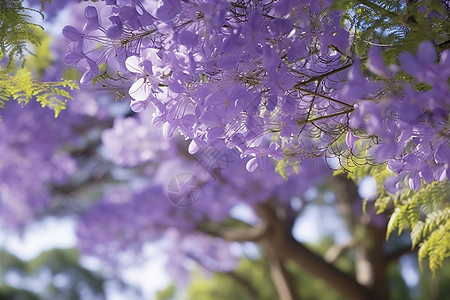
(427, 213)
(22, 88)
(16, 31)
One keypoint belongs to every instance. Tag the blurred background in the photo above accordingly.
(99, 204)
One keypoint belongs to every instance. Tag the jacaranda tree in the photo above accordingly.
(239, 103)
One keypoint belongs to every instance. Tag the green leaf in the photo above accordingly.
(427, 213)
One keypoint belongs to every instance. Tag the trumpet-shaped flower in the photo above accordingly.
(144, 68)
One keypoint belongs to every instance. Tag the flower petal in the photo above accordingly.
(375, 62)
(426, 52)
(138, 106)
(140, 90)
(71, 33)
(133, 65)
(251, 165)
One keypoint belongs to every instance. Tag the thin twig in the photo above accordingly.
(325, 97)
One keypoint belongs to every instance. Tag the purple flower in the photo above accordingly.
(141, 88)
(357, 86)
(72, 58)
(168, 10)
(289, 126)
(116, 29)
(351, 139)
(91, 70)
(261, 154)
(91, 15)
(148, 68)
(422, 66)
(375, 62)
(75, 36)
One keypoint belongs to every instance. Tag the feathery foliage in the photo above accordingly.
(22, 88)
(427, 213)
(400, 26)
(17, 32)
(397, 26)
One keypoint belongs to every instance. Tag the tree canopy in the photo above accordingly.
(190, 112)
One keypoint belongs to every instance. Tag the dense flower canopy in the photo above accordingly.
(273, 79)
(221, 104)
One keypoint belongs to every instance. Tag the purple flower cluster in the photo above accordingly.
(131, 141)
(273, 79)
(131, 215)
(118, 33)
(38, 150)
(251, 74)
(410, 124)
(125, 222)
(30, 140)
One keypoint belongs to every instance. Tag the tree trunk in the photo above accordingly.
(285, 247)
(274, 234)
(280, 276)
(371, 264)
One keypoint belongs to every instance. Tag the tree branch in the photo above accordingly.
(382, 10)
(250, 234)
(286, 247)
(336, 250)
(322, 76)
(280, 276)
(252, 293)
(317, 266)
(325, 97)
(325, 117)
